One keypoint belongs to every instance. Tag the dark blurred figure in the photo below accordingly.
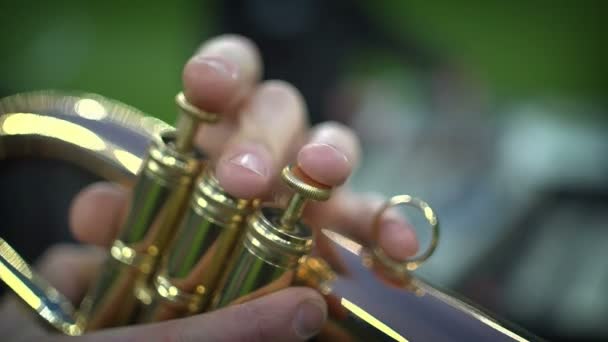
(306, 42)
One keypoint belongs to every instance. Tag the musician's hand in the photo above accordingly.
(264, 127)
(290, 315)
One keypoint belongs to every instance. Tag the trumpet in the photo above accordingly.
(188, 247)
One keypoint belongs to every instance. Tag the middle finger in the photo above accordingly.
(272, 124)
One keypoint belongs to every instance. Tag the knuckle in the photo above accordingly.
(336, 128)
(56, 254)
(287, 99)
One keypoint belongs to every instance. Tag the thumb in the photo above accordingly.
(70, 268)
(293, 314)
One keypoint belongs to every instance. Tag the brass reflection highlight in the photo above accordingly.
(343, 241)
(367, 317)
(396, 267)
(145, 275)
(194, 262)
(130, 161)
(90, 109)
(27, 123)
(275, 240)
(36, 292)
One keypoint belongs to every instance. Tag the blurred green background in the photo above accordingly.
(133, 51)
(494, 111)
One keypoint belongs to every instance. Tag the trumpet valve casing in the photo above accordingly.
(274, 242)
(159, 198)
(265, 261)
(157, 202)
(193, 263)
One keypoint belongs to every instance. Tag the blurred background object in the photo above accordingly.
(495, 112)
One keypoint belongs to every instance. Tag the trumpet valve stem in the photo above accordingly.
(188, 121)
(293, 211)
(305, 188)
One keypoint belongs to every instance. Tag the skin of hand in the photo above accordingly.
(263, 128)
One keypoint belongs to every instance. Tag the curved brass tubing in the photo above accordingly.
(105, 137)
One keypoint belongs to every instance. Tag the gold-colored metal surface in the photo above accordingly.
(347, 320)
(157, 204)
(103, 136)
(36, 292)
(113, 141)
(398, 267)
(198, 255)
(188, 120)
(274, 242)
(56, 125)
(91, 108)
(264, 261)
(303, 185)
(427, 313)
(159, 200)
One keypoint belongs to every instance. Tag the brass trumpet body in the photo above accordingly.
(361, 304)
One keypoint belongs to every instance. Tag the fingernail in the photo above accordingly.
(309, 319)
(251, 162)
(324, 163)
(219, 65)
(331, 149)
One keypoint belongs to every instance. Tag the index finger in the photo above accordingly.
(216, 79)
